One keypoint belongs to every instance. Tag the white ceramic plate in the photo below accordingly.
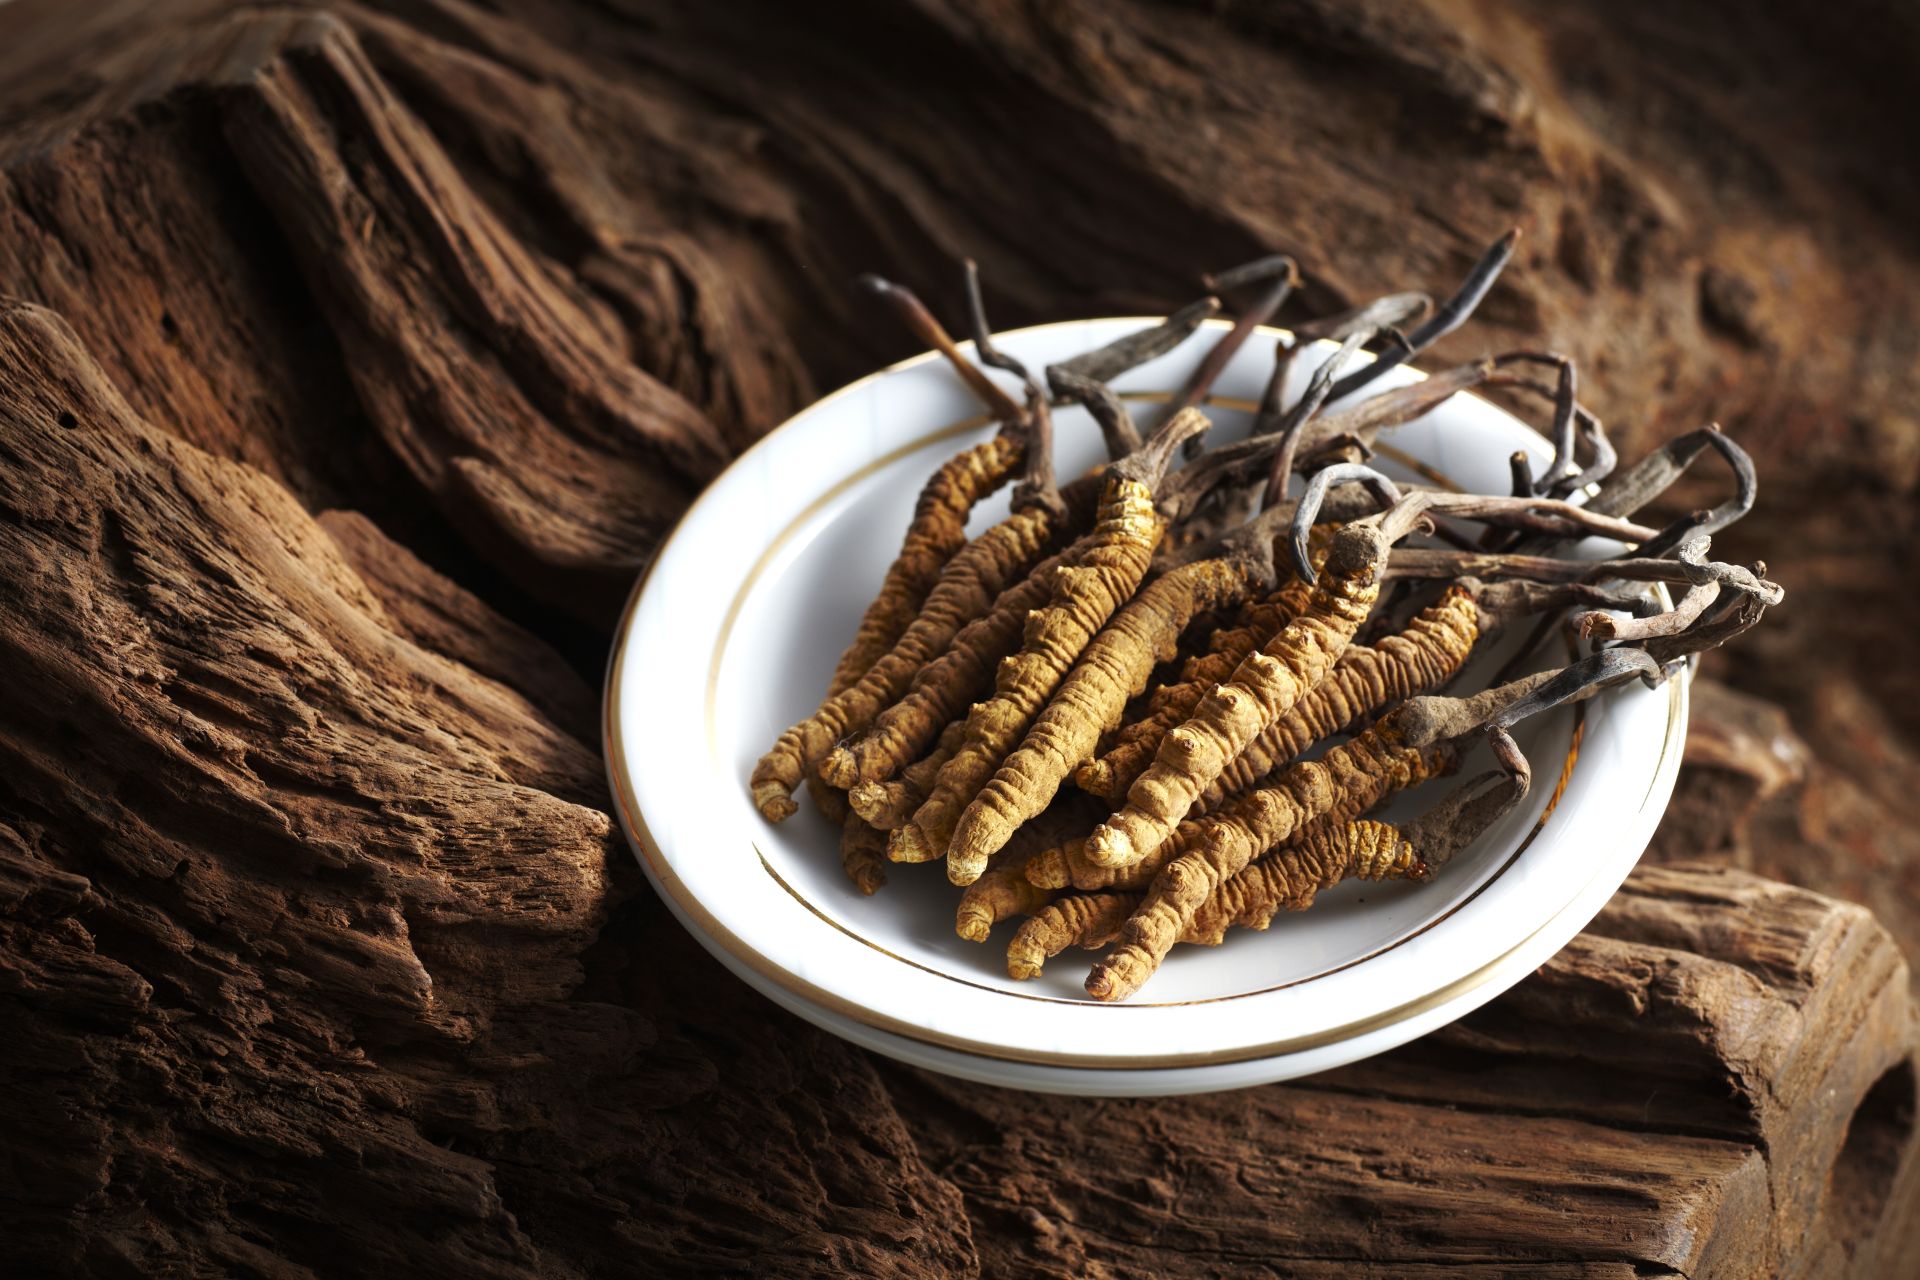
(733, 632)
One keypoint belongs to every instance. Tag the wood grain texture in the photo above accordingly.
(358, 357)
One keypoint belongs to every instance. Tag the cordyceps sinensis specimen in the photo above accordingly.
(1001, 893)
(1424, 737)
(1264, 687)
(886, 805)
(1330, 790)
(1354, 776)
(1109, 774)
(1114, 668)
(1083, 594)
(989, 671)
(1427, 652)
(863, 854)
(1004, 890)
(939, 529)
(966, 588)
(941, 689)
(1287, 879)
(934, 550)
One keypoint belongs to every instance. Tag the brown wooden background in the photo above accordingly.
(358, 356)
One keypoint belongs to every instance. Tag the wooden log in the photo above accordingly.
(1672, 1094)
(295, 915)
(317, 949)
(255, 820)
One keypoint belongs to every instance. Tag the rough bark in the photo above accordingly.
(1679, 1054)
(363, 352)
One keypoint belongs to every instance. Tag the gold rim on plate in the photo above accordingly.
(714, 933)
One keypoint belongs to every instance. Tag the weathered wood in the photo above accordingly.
(294, 916)
(317, 950)
(1671, 1093)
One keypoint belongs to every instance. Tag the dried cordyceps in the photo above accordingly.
(942, 688)
(1326, 853)
(863, 854)
(1264, 687)
(1366, 679)
(1089, 701)
(1110, 774)
(1004, 891)
(1083, 595)
(886, 805)
(938, 530)
(1430, 650)
(1356, 773)
(967, 587)
(989, 671)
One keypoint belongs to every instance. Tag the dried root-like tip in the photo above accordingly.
(964, 866)
(774, 801)
(972, 922)
(883, 805)
(1096, 777)
(909, 843)
(980, 834)
(1120, 974)
(867, 879)
(1024, 962)
(1307, 510)
(1109, 846)
(840, 769)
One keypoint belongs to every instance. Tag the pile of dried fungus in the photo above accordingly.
(1094, 711)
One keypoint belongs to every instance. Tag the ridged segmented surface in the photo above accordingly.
(1431, 651)
(938, 530)
(1354, 776)
(1083, 595)
(968, 585)
(940, 691)
(1265, 687)
(1090, 701)
(1327, 852)
(1110, 774)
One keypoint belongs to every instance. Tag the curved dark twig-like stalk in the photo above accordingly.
(1746, 489)
(1464, 814)
(1383, 315)
(921, 323)
(1307, 510)
(1352, 330)
(1302, 412)
(1282, 275)
(1038, 488)
(983, 345)
(1109, 412)
(1654, 474)
(1591, 675)
(1425, 562)
(1546, 516)
(1450, 316)
(1520, 467)
(1104, 364)
(1247, 463)
(1085, 377)
(1731, 616)
(1564, 466)
(1255, 272)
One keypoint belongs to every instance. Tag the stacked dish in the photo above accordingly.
(732, 633)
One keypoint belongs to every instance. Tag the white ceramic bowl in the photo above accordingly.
(730, 637)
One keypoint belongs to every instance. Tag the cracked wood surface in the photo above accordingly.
(359, 355)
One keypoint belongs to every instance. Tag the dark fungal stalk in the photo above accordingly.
(1211, 795)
